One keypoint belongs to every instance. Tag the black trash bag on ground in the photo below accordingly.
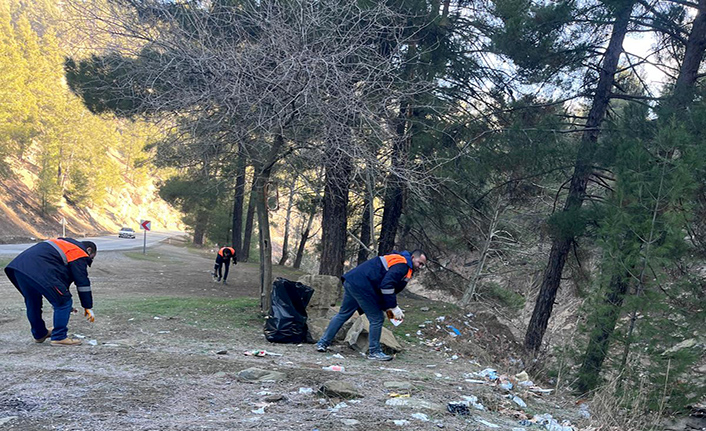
(287, 320)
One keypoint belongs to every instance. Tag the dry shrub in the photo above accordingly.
(622, 409)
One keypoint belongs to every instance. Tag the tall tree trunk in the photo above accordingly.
(364, 230)
(396, 189)
(693, 56)
(262, 175)
(304, 238)
(237, 233)
(200, 227)
(287, 223)
(247, 234)
(599, 342)
(582, 172)
(609, 312)
(335, 215)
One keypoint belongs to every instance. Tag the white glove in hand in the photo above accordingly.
(88, 313)
(396, 313)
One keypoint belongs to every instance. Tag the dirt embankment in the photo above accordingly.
(21, 219)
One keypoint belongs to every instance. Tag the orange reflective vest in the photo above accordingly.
(232, 251)
(393, 259)
(68, 252)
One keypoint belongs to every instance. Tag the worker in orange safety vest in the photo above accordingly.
(47, 269)
(373, 287)
(224, 257)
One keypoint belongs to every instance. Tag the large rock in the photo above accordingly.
(318, 325)
(339, 389)
(328, 291)
(357, 337)
(259, 375)
(416, 404)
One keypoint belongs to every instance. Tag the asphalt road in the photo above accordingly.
(104, 243)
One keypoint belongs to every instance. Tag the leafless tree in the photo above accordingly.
(271, 76)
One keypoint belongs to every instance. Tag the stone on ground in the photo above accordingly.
(357, 337)
(339, 389)
(258, 375)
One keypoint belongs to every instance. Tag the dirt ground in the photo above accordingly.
(169, 344)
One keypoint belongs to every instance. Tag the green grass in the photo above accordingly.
(152, 256)
(204, 312)
(4, 261)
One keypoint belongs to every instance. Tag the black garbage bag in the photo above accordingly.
(287, 320)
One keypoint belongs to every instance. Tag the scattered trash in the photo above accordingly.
(472, 400)
(400, 422)
(458, 408)
(79, 336)
(454, 357)
(420, 416)
(396, 322)
(583, 411)
(396, 395)
(441, 318)
(505, 384)
(338, 407)
(488, 373)
(517, 400)
(264, 393)
(522, 377)
(163, 332)
(337, 356)
(111, 345)
(222, 352)
(525, 422)
(424, 309)
(478, 382)
(131, 319)
(455, 332)
(334, 368)
(92, 343)
(552, 424)
(260, 411)
(538, 390)
(157, 318)
(488, 424)
(306, 391)
(260, 353)
(431, 366)
(519, 429)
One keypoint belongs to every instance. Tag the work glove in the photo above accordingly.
(395, 313)
(88, 313)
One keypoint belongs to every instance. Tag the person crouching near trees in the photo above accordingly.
(224, 256)
(373, 287)
(47, 269)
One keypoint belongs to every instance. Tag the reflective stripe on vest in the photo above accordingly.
(68, 252)
(232, 251)
(393, 259)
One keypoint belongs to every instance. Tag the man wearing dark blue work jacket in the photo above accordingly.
(47, 269)
(373, 287)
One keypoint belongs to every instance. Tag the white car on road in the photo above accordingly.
(126, 232)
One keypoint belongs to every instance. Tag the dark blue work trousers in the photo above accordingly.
(33, 301)
(353, 298)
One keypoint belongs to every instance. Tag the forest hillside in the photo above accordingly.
(58, 160)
